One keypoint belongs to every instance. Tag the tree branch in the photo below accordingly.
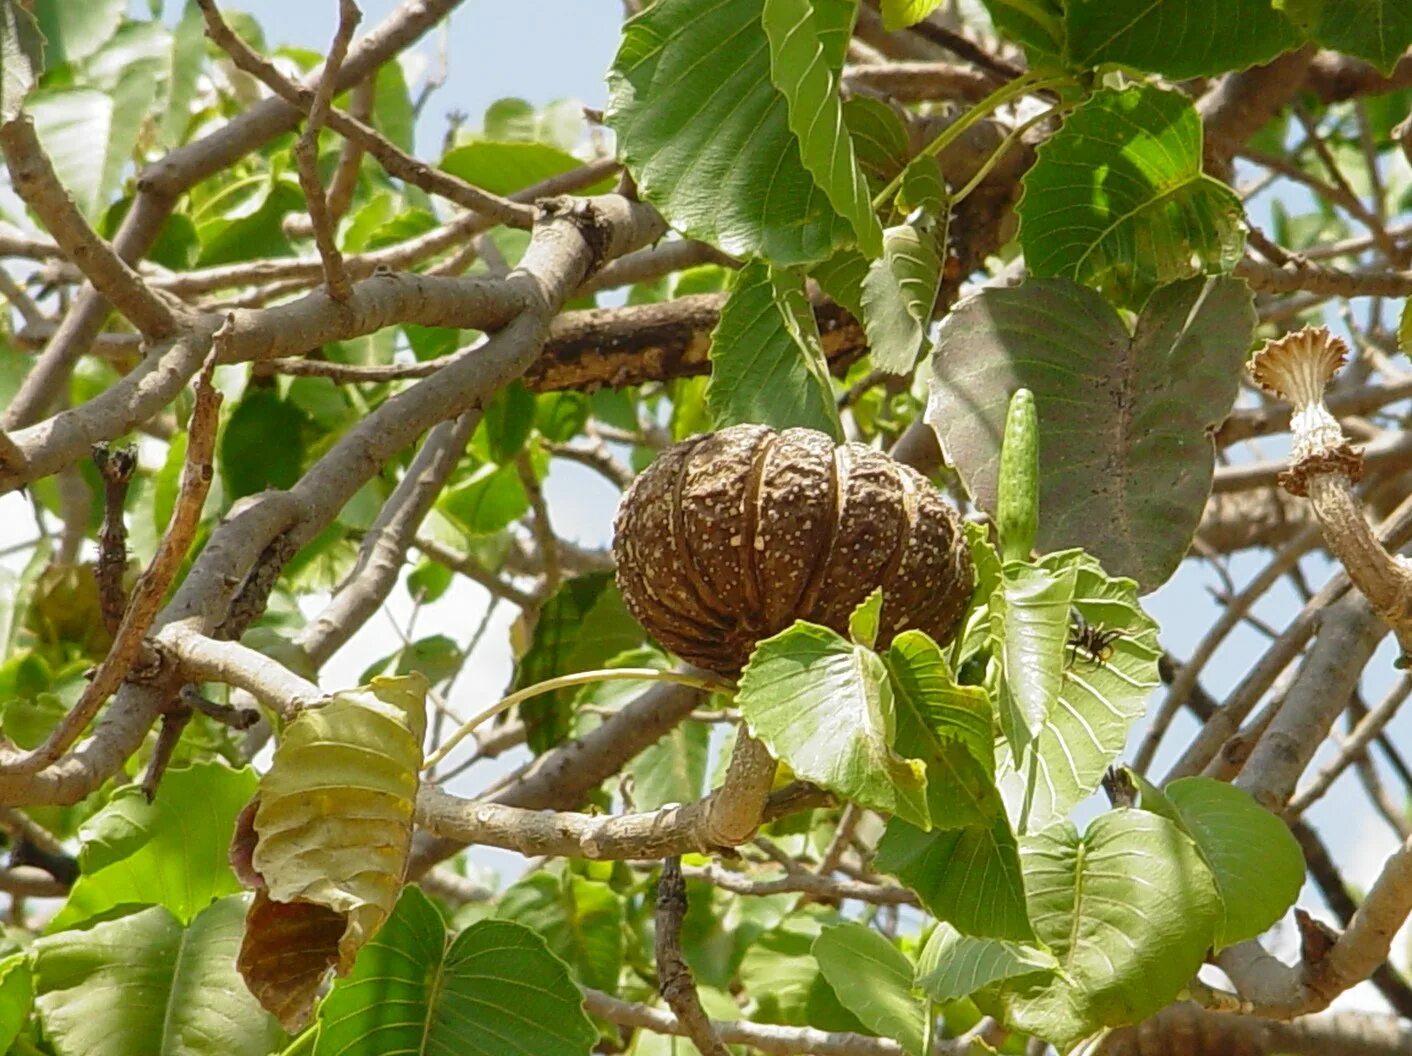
(162, 183)
(384, 547)
(674, 981)
(306, 152)
(759, 1037)
(805, 882)
(1186, 1029)
(397, 163)
(151, 588)
(33, 177)
(726, 818)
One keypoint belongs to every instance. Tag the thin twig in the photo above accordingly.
(1369, 217)
(306, 156)
(33, 177)
(174, 721)
(801, 880)
(398, 163)
(674, 980)
(472, 569)
(1369, 727)
(1238, 606)
(594, 454)
(116, 467)
(152, 587)
(542, 528)
(964, 47)
(757, 1037)
(13, 292)
(345, 174)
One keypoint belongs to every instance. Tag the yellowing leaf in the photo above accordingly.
(334, 821)
(899, 14)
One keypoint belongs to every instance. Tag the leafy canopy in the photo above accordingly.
(836, 224)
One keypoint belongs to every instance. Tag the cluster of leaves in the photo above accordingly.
(50, 628)
(1059, 933)
(155, 949)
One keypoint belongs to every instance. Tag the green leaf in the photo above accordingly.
(126, 823)
(1130, 485)
(923, 187)
(873, 980)
(141, 46)
(437, 657)
(899, 14)
(802, 68)
(1036, 24)
(723, 165)
(262, 444)
(508, 421)
(504, 168)
(1177, 38)
(899, 292)
(16, 997)
(495, 990)
(178, 245)
(953, 965)
(334, 819)
(29, 720)
(1254, 858)
(74, 31)
(560, 415)
(1404, 328)
(509, 119)
(1096, 706)
(1376, 30)
(948, 727)
(1029, 624)
(579, 920)
(21, 57)
(253, 228)
(880, 139)
(1117, 198)
(1128, 910)
(779, 970)
(143, 983)
(841, 277)
(767, 361)
(89, 135)
(970, 877)
(863, 622)
(673, 769)
(825, 706)
(187, 52)
(582, 626)
(429, 580)
(704, 278)
(392, 106)
(170, 853)
(487, 501)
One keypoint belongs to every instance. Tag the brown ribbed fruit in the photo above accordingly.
(729, 537)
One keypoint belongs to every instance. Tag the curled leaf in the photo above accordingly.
(333, 828)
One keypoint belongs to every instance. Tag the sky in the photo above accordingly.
(546, 50)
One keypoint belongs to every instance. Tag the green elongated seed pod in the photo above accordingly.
(1017, 505)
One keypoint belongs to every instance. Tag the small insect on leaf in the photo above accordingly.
(1096, 642)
